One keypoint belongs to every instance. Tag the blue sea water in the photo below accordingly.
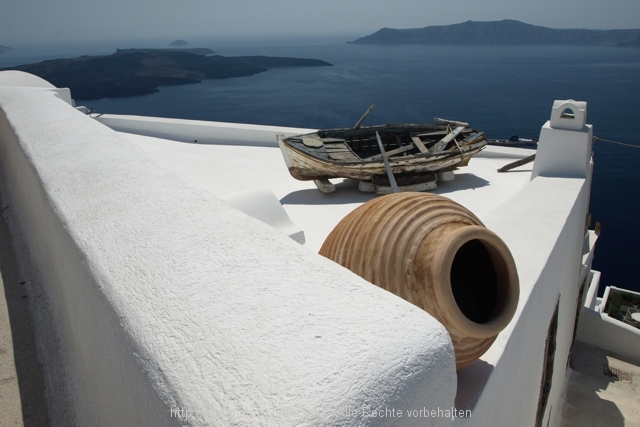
(501, 90)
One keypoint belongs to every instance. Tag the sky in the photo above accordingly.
(46, 21)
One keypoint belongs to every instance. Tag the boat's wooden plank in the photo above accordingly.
(364, 116)
(468, 141)
(336, 149)
(437, 133)
(341, 152)
(439, 146)
(337, 146)
(387, 166)
(452, 122)
(312, 141)
(343, 156)
(472, 138)
(416, 140)
(392, 152)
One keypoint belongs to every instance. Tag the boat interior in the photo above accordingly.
(397, 141)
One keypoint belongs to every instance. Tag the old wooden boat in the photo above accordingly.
(413, 152)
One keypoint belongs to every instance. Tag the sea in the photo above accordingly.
(502, 90)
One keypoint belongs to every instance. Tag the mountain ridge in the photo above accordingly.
(505, 32)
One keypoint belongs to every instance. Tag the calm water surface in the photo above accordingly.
(501, 90)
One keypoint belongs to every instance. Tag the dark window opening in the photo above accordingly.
(547, 370)
(579, 303)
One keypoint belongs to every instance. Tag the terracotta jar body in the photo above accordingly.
(437, 255)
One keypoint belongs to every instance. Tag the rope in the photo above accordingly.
(532, 157)
(615, 142)
(517, 163)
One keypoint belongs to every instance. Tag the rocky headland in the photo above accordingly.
(132, 72)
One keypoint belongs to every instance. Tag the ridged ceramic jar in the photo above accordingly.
(437, 255)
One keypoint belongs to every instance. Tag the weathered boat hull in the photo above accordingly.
(304, 166)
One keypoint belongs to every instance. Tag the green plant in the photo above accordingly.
(613, 304)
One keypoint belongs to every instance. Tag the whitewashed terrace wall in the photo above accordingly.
(160, 296)
(544, 227)
(200, 132)
(599, 329)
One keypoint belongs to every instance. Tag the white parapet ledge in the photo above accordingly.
(597, 328)
(199, 132)
(13, 78)
(164, 299)
(544, 227)
(591, 298)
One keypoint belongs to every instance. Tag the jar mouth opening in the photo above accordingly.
(478, 276)
(474, 282)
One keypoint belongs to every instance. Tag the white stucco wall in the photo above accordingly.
(545, 243)
(544, 227)
(599, 329)
(591, 299)
(262, 204)
(159, 296)
(16, 78)
(602, 331)
(13, 78)
(200, 132)
(156, 295)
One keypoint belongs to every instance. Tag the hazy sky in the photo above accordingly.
(26, 21)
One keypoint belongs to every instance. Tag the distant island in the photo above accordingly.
(4, 49)
(179, 43)
(132, 72)
(194, 50)
(506, 32)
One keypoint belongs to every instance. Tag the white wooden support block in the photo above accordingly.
(324, 185)
(445, 176)
(423, 186)
(366, 187)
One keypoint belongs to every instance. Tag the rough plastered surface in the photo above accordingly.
(166, 301)
(198, 131)
(547, 252)
(20, 78)
(226, 169)
(544, 227)
(24, 80)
